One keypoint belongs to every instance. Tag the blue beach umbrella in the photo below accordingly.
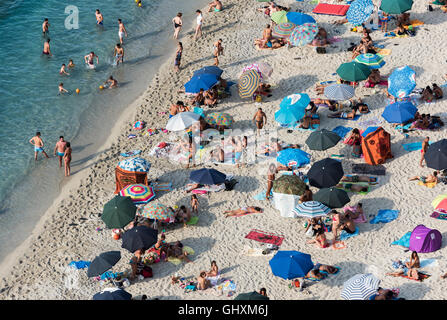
(369, 130)
(401, 82)
(288, 116)
(299, 18)
(339, 92)
(209, 70)
(373, 61)
(293, 157)
(359, 11)
(201, 81)
(291, 264)
(311, 209)
(296, 100)
(399, 112)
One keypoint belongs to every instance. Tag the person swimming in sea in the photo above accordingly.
(45, 27)
(111, 82)
(89, 60)
(119, 54)
(99, 17)
(62, 90)
(70, 64)
(46, 48)
(62, 71)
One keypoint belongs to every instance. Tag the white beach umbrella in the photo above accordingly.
(182, 121)
(360, 287)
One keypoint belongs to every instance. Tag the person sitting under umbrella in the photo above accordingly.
(373, 78)
(427, 95)
(352, 187)
(320, 39)
(307, 195)
(437, 91)
(211, 97)
(404, 19)
(199, 99)
(242, 211)
(136, 263)
(183, 215)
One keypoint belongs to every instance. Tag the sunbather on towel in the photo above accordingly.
(316, 274)
(242, 211)
(347, 224)
(345, 115)
(352, 187)
(429, 179)
(354, 212)
(202, 282)
(411, 273)
(356, 178)
(327, 268)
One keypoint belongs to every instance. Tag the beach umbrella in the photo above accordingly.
(140, 237)
(399, 112)
(325, 173)
(396, 6)
(353, 71)
(207, 176)
(279, 16)
(441, 198)
(293, 157)
(311, 209)
(118, 212)
(299, 18)
(156, 211)
(291, 264)
(264, 69)
(374, 61)
(339, 92)
(436, 155)
(296, 100)
(139, 193)
(322, 140)
(332, 197)
(359, 11)
(360, 287)
(182, 121)
(401, 82)
(209, 70)
(251, 296)
(219, 119)
(283, 30)
(288, 116)
(103, 262)
(303, 35)
(112, 294)
(135, 165)
(289, 185)
(249, 83)
(201, 81)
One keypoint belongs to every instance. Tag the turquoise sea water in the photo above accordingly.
(29, 90)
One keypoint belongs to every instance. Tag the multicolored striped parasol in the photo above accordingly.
(279, 17)
(139, 193)
(283, 30)
(219, 119)
(156, 211)
(373, 61)
(304, 34)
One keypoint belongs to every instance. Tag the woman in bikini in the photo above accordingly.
(242, 211)
(320, 237)
(214, 272)
(67, 159)
(431, 178)
(177, 21)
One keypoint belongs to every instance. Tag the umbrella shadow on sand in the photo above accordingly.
(416, 291)
(179, 178)
(371, 206)
(294, 84)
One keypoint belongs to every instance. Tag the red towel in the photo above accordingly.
(265, 237)
(331, 9)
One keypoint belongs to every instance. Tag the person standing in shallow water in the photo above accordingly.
(67, 159)
(178, 23)
(37, 142)
(59, 149)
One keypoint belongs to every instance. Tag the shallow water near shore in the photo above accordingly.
(28, 92)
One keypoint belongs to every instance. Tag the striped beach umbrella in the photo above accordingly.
(360, 287)
(304, 34)
(139, 193)
(283, 30)
(311, 209)
(353, 71)
(401, 82)
(182, 121)
(374, 61)
(264, 69)
(339, 92)
(396, 6)
(299, 18)
(293, 157)
(279, 17)
(156, 211)
(135, 165)
(219, 119)
(249, 83)
(359, 11)
(399, 112)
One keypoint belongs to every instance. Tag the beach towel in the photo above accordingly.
(177, 261)
(261, 195)
(367, 169)
(341, 131)
(440, 214)
(385, 216)
(405, 127)
(344, 235)
(427, 184)
(384, 52)
(256, 252)
(414, 146)
(265, 237)
(242, 214)
(331, 9)
(337, 156)
(131, 153)
(416, 23)
(161, 186)
(422, 276)
(404, 241)
(79, 264)
(356, 192)
(193, 221)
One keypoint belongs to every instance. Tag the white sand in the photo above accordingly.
(36, 270)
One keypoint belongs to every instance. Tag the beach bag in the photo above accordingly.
(321, 50)
(258, 98)
(147, 272)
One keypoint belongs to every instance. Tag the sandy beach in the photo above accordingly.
(38, 269)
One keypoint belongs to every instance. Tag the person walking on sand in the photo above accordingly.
(45, 27)
(99, 17)
(118, 52)
(46, 48)
(424, 149)
(59, 149)
(198, 33)
(67, 159)
(178, 23)
(217, 51)
(260, 119)
(37, 142)
(194, 204)
(270, 180)
(121, 31)
(178, 57)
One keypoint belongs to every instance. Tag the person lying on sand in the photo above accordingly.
(352, 187)
(320, 39)
(242, 211)
(324, 267)
(411, 273)
(193, 186)
(176, 251)
(316, 274)
(203, 282)
(356, 178)
(429, 179)
(437, 91)
(343, 114)
(347, 224)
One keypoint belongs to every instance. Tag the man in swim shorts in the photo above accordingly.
(46, 48)
(89, 60)
(118, 52)
(59, 149)
(45, 26)
(37, 142)
(260, 119)
(121, 31)
(99, 17)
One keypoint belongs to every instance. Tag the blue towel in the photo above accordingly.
(79, 264)
(344, 235)
(109, 275)
(443, 85)
(412, 146)
(355, 118)
(229, 84)
(261, 195)
(341, 131)
(131, 153)
(385, 216)
(407, 126)
(404, 241)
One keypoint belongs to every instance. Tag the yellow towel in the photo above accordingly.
(427, 184)
(384, 52)
(177, 261)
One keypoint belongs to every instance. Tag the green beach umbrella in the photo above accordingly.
(279, 17)
(396, 6)
(251, 296)
(118, 212)
(322, 140)
(289, 185)
(332, 197)
(353, 71)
